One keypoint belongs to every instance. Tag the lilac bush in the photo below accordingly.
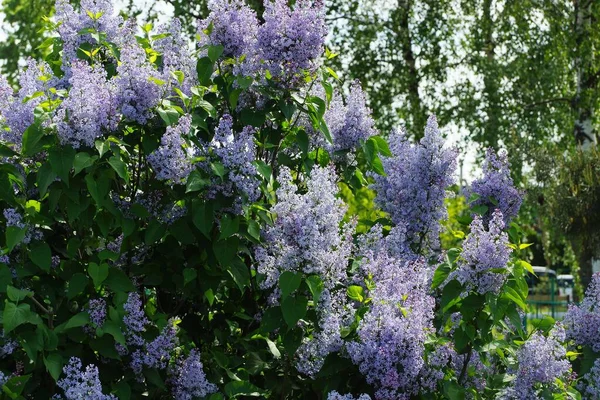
(173, 219)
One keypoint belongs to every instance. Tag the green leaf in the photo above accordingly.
(451, 294)
(302, 140)
(240, 274)
(169, 115)
(81, 161)
(356, 293)
(293, 309)
(16, 315)
(229, 226)
(41, 255)
(214, 52)
(61, 159)
(120, 168)
(6, 151)
(189, 275)
(32, 140)
(382, 146)
(54, 364)
(315, 285)
(203, 217)
(204, 68)
(440, 275)
(118, 281)
(242, 388)
(77, 284)
(289, 282)
(17, 295)
(254, 229)
(253, 118)
(102, 147)
(77, 320)
(453, 391)
(154, 232)
(196, 182)
(98, 273)
(115, 331)
(273, 348)
(14, 236)
(45, 176)
(16, 385)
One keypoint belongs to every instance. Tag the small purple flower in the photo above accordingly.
(582, 322)
(172, 160)
(189, 381)
(97, 311)
(79, 384)
(135, 319)
(496, 189)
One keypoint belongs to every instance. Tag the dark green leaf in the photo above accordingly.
(41, 255)
(54, 364)
(77, 284)
(289, 282)
(98, 273)
(61, 159)
(293, 309)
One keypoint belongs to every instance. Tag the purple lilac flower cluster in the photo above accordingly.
(336, 396)
(236, 152)
(334, 314)
(190, 381)
(582, 321)
(484, 257)
(306, 235)
(234, 26)
(82, 118)
(172, 160)
(496, 189)
(97, 311)
(391, 335)
(589, 385)
(79, 384)
(14, 218)
(136, 92)
(541, 360)
(135, 319)
(17, 111)
(350, 123)
(8, 346)
(176, 56)
(414, 189)
(291, 40)
(92, 14)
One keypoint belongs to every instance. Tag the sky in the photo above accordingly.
(455, 135)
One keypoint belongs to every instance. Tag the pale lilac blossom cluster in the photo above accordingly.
(307, 235)
(334, 395)
(541, 360)
(582, 322)
(172, 160)
(190, 380)
(414, 189)
(79, 384)
(589, 385)
(495, 189)
(483, 261)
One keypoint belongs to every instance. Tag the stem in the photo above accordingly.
(463, 372)
(46, 311)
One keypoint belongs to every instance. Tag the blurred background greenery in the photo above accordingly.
(522, 75)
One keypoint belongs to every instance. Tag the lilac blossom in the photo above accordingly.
(334, 395)
(97, 311)
(236, 152)
(72, 22)
(350, 124)
(589, 385)
(190, 380)
(135, 319)
(79, 384)
(483, 261)
(3, 378)
(234, 26)
(495, 189)
(158, 352)
(176, 56)
(306, 235)
(82, 117)
(172, 160)
(334, 314)
(9, 345)
(414, 189)
(136, 92)
(541, 360)
(391, 336)
(582, 322)
(17, 111)
(291, 40)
